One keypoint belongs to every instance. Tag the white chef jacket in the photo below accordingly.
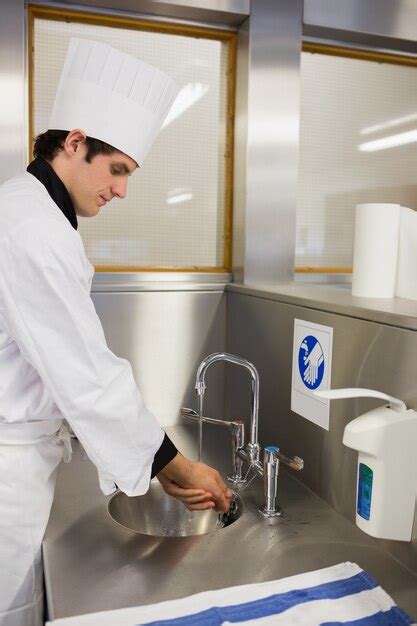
(54, 360)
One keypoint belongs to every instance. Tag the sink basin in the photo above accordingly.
(159, 515)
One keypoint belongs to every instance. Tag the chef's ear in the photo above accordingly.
(73, 140)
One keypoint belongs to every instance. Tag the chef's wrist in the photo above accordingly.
(178, 469)
(167, 451)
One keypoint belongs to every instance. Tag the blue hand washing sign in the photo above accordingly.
(311, 362)
(311, 370)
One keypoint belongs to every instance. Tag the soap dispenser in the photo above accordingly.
(386, 440)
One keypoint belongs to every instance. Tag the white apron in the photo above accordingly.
(29, 456)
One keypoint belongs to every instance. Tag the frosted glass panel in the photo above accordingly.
(174, 211)
(358, 134)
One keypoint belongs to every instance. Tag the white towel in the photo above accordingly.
(341, 594)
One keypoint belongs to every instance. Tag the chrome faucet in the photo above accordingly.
(268, 470)
(253, 447)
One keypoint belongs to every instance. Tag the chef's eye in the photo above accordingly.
(115, 171)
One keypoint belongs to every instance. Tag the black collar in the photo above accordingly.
(55, 187)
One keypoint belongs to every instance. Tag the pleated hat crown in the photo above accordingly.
(112, 96)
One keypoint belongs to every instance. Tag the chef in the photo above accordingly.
(54, 361)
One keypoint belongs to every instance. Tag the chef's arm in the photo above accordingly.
(51, 318)
(53, 322)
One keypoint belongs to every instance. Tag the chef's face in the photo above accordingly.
(95, 183)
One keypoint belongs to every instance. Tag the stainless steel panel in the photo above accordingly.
(165, 335)
(337, 280)
(220, 12)
(337, 298)
(12, 88)
(273, 119)
(370, 25)
(241, 151)
(386, 18)
(159, 281)
(365, 354)
(91, 564)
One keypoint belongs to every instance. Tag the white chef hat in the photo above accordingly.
(112, 96)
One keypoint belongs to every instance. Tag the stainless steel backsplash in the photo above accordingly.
(365, 354)
(165, 335)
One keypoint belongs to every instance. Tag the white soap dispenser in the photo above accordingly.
(386, 440)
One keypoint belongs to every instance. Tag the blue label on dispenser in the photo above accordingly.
(365, 478)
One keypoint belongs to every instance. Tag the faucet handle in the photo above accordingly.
(271, 453)
(295, 462)
(270, 475)
(193, 415)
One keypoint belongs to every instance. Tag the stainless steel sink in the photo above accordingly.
(159, 515)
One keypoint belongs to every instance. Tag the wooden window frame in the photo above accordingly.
(226, 36)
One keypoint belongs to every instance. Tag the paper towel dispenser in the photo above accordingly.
(386, 440)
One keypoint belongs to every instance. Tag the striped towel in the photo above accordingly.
(339, 595)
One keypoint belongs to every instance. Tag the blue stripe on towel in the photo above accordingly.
(275, 604)
(394, 617)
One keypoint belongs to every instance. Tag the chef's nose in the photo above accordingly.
(119, 188)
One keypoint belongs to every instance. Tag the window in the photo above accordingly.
(177, 212)
(358, 134)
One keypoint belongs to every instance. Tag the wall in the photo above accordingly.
(165, 335)
(12, 89)
(272, 139)
(365, 354)
(219, 12)
(384, 23)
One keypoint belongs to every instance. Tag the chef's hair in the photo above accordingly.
(49, 143)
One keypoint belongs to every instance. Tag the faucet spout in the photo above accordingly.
(200, 387)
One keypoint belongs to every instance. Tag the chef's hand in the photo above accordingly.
(197, 485)
(193, 499)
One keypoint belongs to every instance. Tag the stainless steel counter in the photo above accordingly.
(338, 299)
(92, 564)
